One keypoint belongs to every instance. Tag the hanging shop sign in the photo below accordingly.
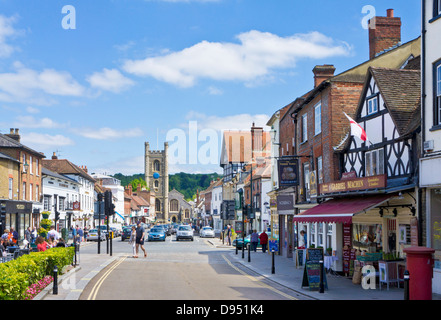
(288, 172)
(374, 182)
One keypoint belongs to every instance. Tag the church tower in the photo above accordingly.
(156, 177)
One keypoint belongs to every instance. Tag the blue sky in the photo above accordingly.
(135, 70)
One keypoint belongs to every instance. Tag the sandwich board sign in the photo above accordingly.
(311, 273)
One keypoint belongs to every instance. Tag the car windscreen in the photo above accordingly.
(157, 230)
(184, 228)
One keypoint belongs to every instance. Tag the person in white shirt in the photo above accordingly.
(53, 234)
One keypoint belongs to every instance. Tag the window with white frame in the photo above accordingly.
(374, 162)
(437, 89)
(306, 180)
(31, 191)
(47, 203)
(320, 169)
(24, 191)
(313, 237)
(304, 127)
(372, 105)
(37, 172)
(329, 235)
(318, 119)
(30, 165)
(321, 230)
(10, 188)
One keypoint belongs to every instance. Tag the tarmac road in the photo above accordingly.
(184, 270)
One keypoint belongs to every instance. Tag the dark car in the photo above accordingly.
(126, 232)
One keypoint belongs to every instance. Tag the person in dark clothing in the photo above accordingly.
(140, 233)
(263, 237)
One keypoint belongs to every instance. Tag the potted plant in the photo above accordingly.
(329, 251)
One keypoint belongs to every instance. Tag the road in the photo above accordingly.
(178, 270)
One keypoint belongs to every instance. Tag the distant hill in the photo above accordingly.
(185, 183)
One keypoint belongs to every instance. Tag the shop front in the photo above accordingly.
(19, 215)
(356, 230)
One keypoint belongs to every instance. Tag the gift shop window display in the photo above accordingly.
(367, 237)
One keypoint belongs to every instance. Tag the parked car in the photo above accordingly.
(206, 232)
(93, 235)
(174, 228)
(156, 234)
(184, 232)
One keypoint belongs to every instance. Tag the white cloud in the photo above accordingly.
(6, 31)
(32, 110)
(215, 91)
(108, 133)
(242, 121)
(31, 122)
(29, 86)
(257, 55)
(110, 80)
(40, 141)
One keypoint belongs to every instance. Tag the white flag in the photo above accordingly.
(356, 129)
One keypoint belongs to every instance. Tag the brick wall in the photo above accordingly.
(384, 33)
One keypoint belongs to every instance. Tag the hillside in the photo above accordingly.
(185, 183)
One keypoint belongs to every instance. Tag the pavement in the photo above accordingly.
(72, 283)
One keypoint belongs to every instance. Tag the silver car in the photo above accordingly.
(93, 235)
(184, 232)
(207, 232)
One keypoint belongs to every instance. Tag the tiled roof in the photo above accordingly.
(8, 142)
(401, 91)
(64, 166)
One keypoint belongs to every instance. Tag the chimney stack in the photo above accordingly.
(14, 134)
(384, 33)
(322, 73)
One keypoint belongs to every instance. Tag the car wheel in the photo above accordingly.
(191, 239)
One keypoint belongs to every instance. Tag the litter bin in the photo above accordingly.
(420, 266)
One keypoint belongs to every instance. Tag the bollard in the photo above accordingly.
(75, 249)
(249, 252)
(55, 288)
(236, 249)
(243, 248)
(406, 285)
(273, 267)
(322, 286)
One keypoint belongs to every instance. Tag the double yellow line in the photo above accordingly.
(97, 286)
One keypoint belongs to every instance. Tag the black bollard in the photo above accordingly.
(236, 249)
(406, 284)
(322, 285)
(273, 267)
(55, 288)
(249, 252)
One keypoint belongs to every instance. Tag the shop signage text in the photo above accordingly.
(373, 182)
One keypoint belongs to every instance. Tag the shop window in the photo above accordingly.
(367, 237)
(437, 92)
(320, 234)
(329, 235)
(313, 235)
(320, 169)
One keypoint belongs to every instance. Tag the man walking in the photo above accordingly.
(140, 233)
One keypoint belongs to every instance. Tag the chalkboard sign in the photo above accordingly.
(300, 257)
(311, 273)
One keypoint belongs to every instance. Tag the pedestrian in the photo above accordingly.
(14, 235)
(80, 234)
(229, 235)
(34, 235)
(86, 231)
(42, 245)
(61, 243)
(53, 234)
(5, 235)
(140, 233)
(2, 248)
(302, 244)
(132, 241)
(254, 240)
(263, 240)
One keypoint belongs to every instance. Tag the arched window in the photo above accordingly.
(156, 166)
(156, 184)
(158, 205)
(187, 214)
(174, 205)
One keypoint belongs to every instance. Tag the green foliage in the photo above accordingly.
(185, 183)
(17, 275)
